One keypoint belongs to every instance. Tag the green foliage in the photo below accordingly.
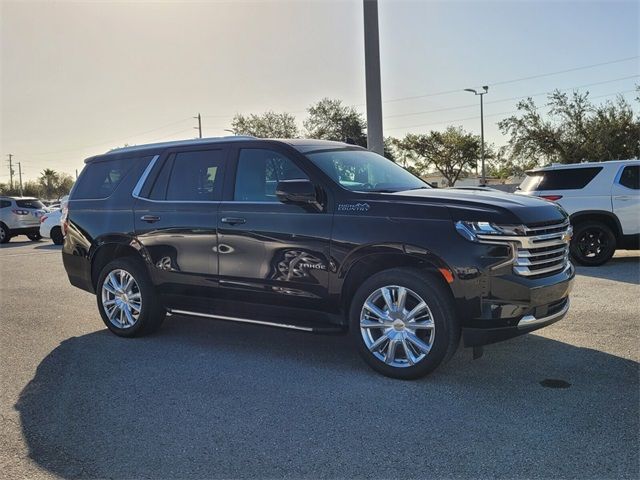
(452, 153)
(331, 120)
(573, 131)
(50, 185)
(266, 125)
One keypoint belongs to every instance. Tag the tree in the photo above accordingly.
(331, 120)
(268, 125)
(452, 152)
(49, 180)
(574, 131)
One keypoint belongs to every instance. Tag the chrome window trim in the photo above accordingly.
(143, 178)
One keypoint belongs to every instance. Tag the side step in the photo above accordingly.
(326, 329)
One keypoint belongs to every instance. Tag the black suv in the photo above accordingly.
(316, 236)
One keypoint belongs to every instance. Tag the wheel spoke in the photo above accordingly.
(401, 298)
(391, 351)
(388, 299)
(375, 310)
(107, 303)
(414, 340)
(127, 312)
(114, 282)
(411, 316)
(422, 325)
(411, 358)
(370, 324)
(378, 343)
(128, 282)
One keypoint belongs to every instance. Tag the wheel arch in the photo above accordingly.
(608, 218)
(110, 248)
(374, 259)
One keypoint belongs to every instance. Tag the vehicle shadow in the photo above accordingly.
(212, 399)
(49, 246)
(619, 269)
(13, 243)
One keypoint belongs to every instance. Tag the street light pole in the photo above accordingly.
(485, 89)
(375, 139)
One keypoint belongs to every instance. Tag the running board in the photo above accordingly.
(331, 329)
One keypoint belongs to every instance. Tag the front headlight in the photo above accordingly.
(471, 230)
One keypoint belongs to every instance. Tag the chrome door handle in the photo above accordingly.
(233, 220)
(149, 218)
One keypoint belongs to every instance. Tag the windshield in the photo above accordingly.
(363, 171)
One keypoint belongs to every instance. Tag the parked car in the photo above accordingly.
(602, 199)
(20, 216)
(51, 227)
(316, 236)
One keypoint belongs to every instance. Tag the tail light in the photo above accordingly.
(20, 212)
(43, 218)
(553, 198)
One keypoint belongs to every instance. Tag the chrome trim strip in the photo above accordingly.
(529, 320)
(143, 177)
(525, 272)
(525, 262)
(238, 319)
(528, 254)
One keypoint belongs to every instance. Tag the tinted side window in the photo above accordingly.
(99, 179)
(29, 203)
(159, 189)
(259, 172)
(561, 179)
(5, 203)
(630, 177)
(196, 176)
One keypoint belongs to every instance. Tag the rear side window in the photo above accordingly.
(190, 176)
(630, 177)
(5, 203)
(561, 179)
(100, 179)
(259, 172)
(29, 203)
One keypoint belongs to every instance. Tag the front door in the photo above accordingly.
(269, 251)
(176, 220)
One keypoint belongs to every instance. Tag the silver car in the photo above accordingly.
(20, 216)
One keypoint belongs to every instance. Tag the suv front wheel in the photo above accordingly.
(593, 243)
(404, 323)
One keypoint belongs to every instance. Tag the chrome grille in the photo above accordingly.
(542, 249)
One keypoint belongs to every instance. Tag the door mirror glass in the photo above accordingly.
(296, 191)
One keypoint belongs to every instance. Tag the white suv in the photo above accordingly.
(603, 200)
(20, 216)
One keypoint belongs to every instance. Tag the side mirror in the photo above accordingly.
(296, 191)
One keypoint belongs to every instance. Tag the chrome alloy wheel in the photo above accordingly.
(397, 326)
(121, 298)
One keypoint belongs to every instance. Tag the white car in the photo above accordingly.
(51, 223)
(20, 216)
(602, 199)
(50, 226)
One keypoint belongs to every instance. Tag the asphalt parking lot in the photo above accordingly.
(205, 398)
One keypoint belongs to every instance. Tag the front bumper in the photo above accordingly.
(482, 336)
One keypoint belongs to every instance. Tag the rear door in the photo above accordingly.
(625, 196)
(176, 222)
(271, 252)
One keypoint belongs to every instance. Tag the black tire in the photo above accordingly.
(151, 313)
(56, 235)
(440, 303)
(5, 233)
(593, 243)
(34, 237)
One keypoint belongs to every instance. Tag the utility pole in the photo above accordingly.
(20, 174)
(375, 139)
(10, 155)
(485, 89)
(76, 174)
(199, 127)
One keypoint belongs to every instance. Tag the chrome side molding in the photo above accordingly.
(239, 319)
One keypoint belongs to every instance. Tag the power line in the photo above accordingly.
(444, 109)
(493, 114)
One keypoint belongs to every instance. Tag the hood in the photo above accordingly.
(487, 205)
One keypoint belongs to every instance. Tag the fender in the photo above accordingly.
(588, 213)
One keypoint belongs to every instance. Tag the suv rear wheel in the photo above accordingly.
(127, 302)
(404, 323)
(593, 243)
(5, 234)
(56, 235)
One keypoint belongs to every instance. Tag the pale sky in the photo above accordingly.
(79, 78)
